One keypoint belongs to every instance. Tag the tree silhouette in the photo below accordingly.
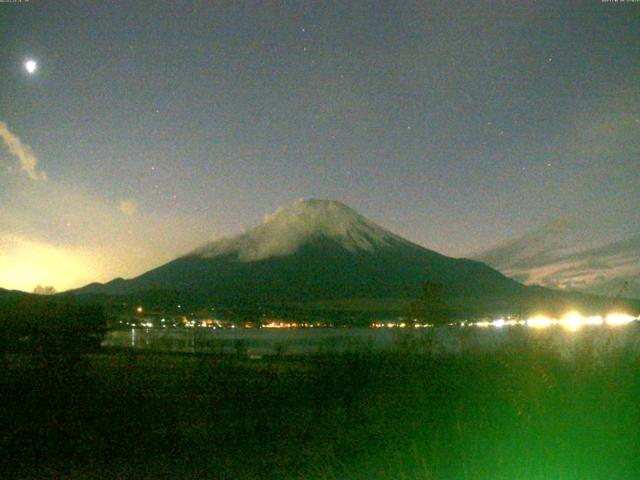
(432, 306)
(48, 290)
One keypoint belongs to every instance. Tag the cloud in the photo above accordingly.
(26, 158)
(534, 249)
(545, 257)
(128, 207)
(286, 230)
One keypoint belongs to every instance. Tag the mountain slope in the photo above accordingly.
(313, 250)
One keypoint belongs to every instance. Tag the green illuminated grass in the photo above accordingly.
(522, 414)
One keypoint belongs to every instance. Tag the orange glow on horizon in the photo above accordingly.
(25, 263)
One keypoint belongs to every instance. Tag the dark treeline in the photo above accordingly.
(45, 325)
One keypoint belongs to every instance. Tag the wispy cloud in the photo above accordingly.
(25, 156)
(545, 257)
(534, 249)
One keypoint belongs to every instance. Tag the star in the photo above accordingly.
(31, 66)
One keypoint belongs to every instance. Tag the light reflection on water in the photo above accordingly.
(446, 340)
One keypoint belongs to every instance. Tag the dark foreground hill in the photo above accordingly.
(13, 295)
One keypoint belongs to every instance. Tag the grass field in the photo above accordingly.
(522, 414)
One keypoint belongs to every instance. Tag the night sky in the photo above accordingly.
(150, 127)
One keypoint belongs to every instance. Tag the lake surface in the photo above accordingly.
(447, 340)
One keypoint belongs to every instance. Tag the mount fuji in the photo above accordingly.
(312, 249)
(316, 252)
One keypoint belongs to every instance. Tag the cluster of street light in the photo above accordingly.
(571, 321)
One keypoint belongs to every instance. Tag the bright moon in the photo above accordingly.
(31, 66)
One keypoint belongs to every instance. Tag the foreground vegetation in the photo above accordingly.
(50, 327)
(522, 414)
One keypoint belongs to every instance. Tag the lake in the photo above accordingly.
(445, 340)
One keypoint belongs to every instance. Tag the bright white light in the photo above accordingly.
(540, 321)
(31, 66)
(572, 321)
(499, 323)
(615, 319)
(595, 320)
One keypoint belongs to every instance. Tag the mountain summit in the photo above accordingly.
(290, 228)
(312, 252)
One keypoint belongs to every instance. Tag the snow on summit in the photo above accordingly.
(286, 230)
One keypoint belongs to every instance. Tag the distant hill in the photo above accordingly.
(318, 254)
(13, 294)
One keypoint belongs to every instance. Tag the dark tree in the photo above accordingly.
(433, 304)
